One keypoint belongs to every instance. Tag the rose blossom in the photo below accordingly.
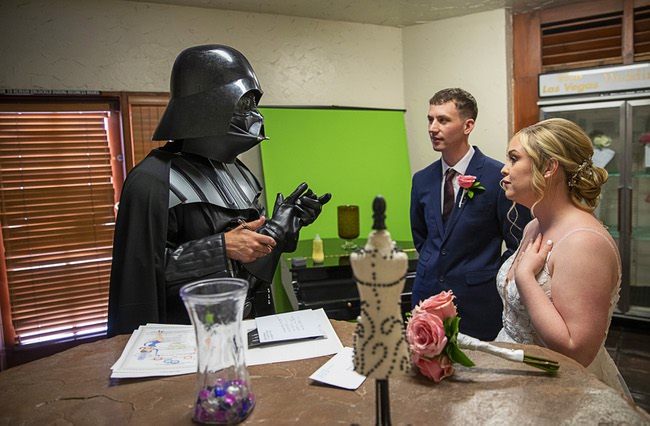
(466, 181)
(436, 369)
(441, 305)
(645, 138)
(425, 333)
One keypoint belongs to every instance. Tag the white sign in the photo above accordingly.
(595, 80)
(339, 371)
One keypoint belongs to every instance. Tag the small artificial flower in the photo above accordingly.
(469, 185)
(602, 141)
(645, 138)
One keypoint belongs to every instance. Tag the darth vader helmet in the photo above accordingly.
(213, 105)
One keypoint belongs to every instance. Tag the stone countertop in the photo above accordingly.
(74, 387)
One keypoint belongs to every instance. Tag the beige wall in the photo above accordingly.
(119, 45)
(116, 45)
(472, 52)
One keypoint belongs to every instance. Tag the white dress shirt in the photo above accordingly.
(461, 168)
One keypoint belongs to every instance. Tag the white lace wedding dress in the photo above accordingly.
(517, 327)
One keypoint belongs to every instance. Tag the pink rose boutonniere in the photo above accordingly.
(469, 185)
(435, 343)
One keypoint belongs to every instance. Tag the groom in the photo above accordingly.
(459, 239)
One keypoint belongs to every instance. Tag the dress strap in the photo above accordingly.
(595, 231)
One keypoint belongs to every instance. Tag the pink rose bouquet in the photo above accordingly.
(441, 305)
(469, 185)
(435, 369)
(435, 343)
(432, 334)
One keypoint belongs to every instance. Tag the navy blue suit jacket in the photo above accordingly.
(464, 256)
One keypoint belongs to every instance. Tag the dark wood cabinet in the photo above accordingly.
(330, 285)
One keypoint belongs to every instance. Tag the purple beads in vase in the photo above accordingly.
(229, 402)
(216, 307)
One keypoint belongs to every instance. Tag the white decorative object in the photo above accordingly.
(380, 347)
(602, 157)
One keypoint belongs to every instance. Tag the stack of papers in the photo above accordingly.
(282, 328)
(167, 350)
(158, 350)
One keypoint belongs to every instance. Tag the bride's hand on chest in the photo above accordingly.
(531, 260)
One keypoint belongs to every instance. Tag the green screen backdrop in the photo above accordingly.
(355, 154)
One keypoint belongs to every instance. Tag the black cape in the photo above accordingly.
(148, 269)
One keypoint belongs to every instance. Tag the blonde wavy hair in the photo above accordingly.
(569, 145)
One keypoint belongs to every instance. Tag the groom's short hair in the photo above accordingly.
(464, 101)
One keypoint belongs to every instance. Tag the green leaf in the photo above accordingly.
(451, 327)
(470, 194)
(452, 350)
(457, 356)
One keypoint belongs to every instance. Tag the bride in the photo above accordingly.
(561, 286)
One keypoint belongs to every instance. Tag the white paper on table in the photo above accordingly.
(339, 371)
(158, 350)
(293, 350)
(647, 155)
(289, 326)
(602, 157)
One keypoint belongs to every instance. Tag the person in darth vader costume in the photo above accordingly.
(191, 210)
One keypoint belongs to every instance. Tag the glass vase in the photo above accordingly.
(223, 388)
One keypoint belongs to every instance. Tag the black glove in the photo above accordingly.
(289, 215)
(292, 213)
(309, 206)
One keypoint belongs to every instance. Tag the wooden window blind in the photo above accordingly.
(586, 41)
(575, 35)
(642, 33)
(144, 112)
(57, 217)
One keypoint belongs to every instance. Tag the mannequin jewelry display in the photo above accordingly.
(380, 347)
(223, 387)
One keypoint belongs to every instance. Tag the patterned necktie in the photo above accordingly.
(448, 204)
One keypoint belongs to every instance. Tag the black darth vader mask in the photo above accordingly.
(246, 130)
(213, 105)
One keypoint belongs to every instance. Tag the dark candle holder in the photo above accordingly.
(348, 226)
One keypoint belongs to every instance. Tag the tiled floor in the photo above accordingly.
(628, 344)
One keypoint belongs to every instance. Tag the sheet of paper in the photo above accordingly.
(158, 350)
(169, 350)
(294, 350)
(339, 371)
(289, 326)
(602, 156)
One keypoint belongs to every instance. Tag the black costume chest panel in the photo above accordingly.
(230, 186)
